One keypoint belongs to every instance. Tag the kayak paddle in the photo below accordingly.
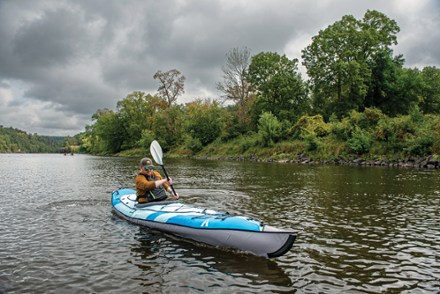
(156, 152)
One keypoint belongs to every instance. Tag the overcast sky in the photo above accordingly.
(60, 61)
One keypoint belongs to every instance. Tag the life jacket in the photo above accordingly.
(158, 194)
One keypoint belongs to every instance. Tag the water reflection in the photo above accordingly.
(360, 230)
(202, 260)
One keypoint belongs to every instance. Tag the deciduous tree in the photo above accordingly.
(137, 113)
(430, 98)
(280, 88)
(235, 85)
(337, 60)
(204, 120)
(171, 85)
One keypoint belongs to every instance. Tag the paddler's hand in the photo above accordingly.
(169, 181)
(175, 196)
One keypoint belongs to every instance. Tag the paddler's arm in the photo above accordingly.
(143, 184)
(162, 182)
(167, 186)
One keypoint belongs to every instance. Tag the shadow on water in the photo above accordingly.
(200, 257)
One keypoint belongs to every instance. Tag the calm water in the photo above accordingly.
(361, 230)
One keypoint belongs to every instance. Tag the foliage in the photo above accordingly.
(137, 112)
(434, 128)
(269, 128)
(249, 141)
(430, 90)
(360, 101)
(193, 144)
(280, 89)
(15, 140)
(204, 120)
(147, 137)
(419, 145)
(386, 84)
(311, 141)
(107, 135)
(338, 60)
(360, 141)
(168, 126)
(307, 124)
(127, 128)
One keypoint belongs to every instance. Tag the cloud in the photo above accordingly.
(42, 117)
(60, 61)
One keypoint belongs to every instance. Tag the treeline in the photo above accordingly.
(15, 140)
(359, 99)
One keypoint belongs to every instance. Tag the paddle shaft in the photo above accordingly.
(168, 178)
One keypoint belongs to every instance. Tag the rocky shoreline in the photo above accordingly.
(428, 162)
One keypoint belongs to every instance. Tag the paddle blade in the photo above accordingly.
(156, 152)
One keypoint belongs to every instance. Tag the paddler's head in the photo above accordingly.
(146, 165)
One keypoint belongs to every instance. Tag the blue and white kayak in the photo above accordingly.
(204, 225)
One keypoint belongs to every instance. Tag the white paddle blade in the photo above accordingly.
(156, 152)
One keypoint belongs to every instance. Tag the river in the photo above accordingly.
(360, 229)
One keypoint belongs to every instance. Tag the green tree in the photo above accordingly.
(137, 112)
(410, 91)
(386, 83)
(280, 88)
(106, 135)
(204, 120)
(15, 140)
(430, 94)
(168, 126)
(337, 60)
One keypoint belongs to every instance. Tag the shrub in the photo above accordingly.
(234, 130)
(147, 137)
(416, 114)
(311, 141)
(247, 142)
(373, 116)
(269, 129)
(360, 142)
(419, 145)
(193, 144)
(310, 125)
(341, 129)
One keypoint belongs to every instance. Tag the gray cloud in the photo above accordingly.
(60, 61)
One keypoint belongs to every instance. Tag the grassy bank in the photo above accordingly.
(367, 137)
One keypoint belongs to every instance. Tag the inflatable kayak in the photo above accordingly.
(204, 225)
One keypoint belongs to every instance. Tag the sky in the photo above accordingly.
(61, 61)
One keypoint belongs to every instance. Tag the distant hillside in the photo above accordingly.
(14, 140)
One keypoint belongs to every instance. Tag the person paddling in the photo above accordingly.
(150, 186)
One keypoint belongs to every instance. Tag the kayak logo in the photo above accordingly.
(205, 223)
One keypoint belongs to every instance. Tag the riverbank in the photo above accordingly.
(428, 162)
(425, 162)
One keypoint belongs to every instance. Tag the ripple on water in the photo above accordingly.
(359, 230)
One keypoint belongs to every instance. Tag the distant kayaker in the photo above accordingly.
(150, 186)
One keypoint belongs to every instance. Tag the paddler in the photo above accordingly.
(150, 186)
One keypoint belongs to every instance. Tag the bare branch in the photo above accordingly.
(235, 86)
(171, 85)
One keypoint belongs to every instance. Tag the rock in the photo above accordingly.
(358, 161)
